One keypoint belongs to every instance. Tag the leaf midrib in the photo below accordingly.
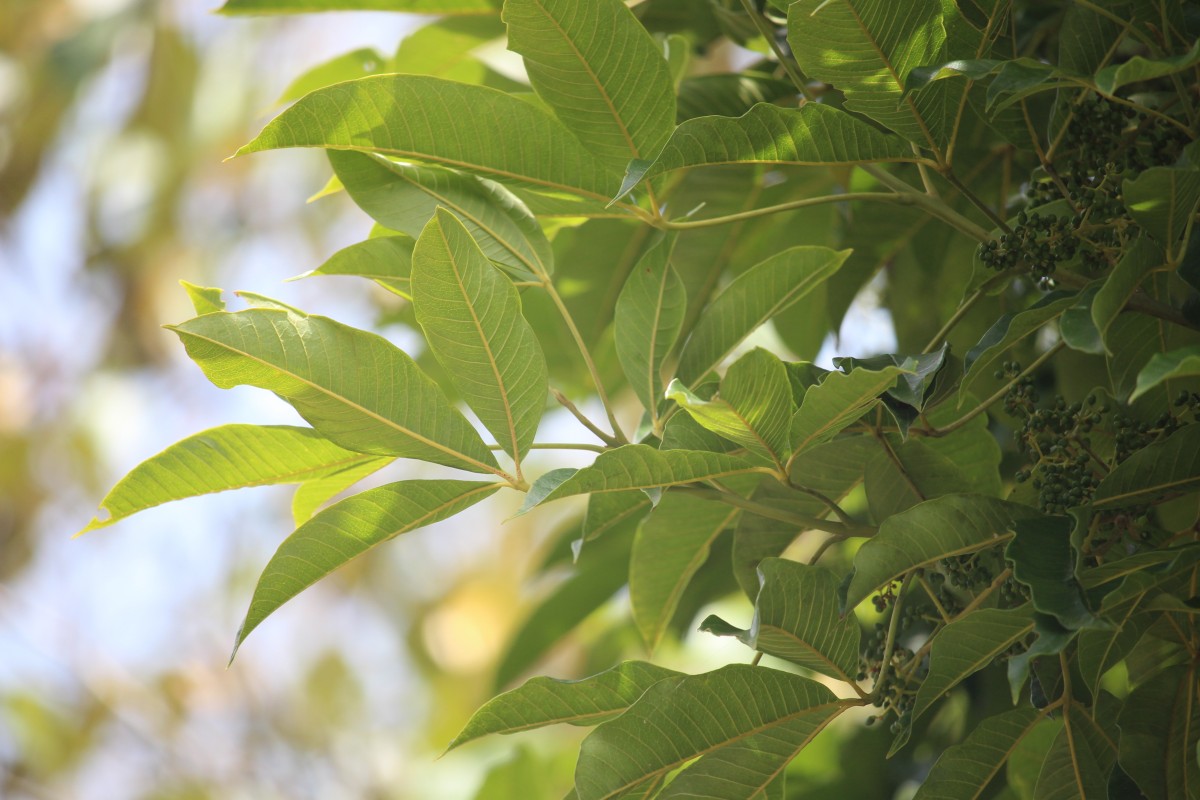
(362, 409)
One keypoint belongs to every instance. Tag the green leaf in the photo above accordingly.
(1160, 733)
(228, 457)
(307, 6)
(902, 474)
(407, 116)
(1181, 363)
(639, 466)
(753, 408)
(330, 373)
(444, 49)
(1113, 77)
(348, 66)
(1137, 262)
(965, 770)
(1097, 651)
(750, 300)
(728, 94)
(471, 316)
(523, 774)
(607, 511)
(600, 71)
(1162, 200)
(350, 528)
(1165, 467)
(866, 49)
(745, 722)
(1078, 330)
(927, 533)
(1078, 763)
(837, 402)
(814, 134)
(1006, 333)
(387, 260)
(966, 646)
(311, 495)
(671, 545)
(648, 317)
(796, 618)
(546, 701)
(205, 299)
(1043, 559)
(403, 197)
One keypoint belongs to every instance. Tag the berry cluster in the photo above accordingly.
(1102, 144)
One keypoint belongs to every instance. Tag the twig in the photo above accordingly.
(566, 403)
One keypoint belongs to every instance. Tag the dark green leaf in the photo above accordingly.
(965, 770)
(1181, 363)
(1043, 559)
(649, 315)
(1163, 468)
(1160, 733)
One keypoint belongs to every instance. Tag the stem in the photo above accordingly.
(618, 436)
(997, 397)
(825, 545)
(566, 403)
(767, 33)
(975, 201)
(770, 512)
(890, 645)
(884, 197)
(964, 307)
(941, 609)
(828, 501)
(1138, 302)
(936, 207)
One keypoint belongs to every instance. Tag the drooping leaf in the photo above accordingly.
(1043, 559)
(670, 546)
(547, 701)
(1181, 363)
(964, 771)
(406, 116)
(639, 466)
(1166, 467)
(471, 315)
(649, 314)
(404, 197)
(307, 6)
(814, 134)
(837, 402)
(796, 618)
(750, 300)
(753, 407)
(1160, 733)
(1138, 68)
(745, 722)
(1079, 331)
(329, 373)
(387, 260)
(966, 646)
(228, 457)
(600, 71)
(348, 529)
(866, 49)
(926, 533)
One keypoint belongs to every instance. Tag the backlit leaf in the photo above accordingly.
(228, 457)
(471, 315)
(348, 529)
(648, 317)
(837, 402)
(331, 374)
(1166, 467)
